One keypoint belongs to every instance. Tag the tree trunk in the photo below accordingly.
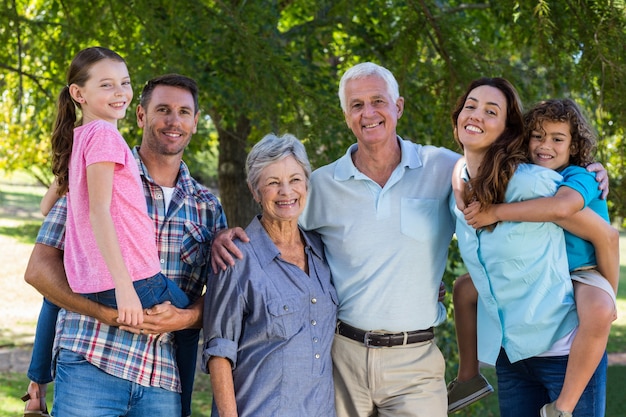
(236, 199)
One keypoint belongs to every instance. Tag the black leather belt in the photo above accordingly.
(376, 339)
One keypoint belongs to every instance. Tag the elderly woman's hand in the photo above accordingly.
(442, 292)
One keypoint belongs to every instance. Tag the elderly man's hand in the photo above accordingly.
(442, 292)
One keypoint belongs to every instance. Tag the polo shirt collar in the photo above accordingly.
(346, 169)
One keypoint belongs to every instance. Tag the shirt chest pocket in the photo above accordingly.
(285, 318)
(196, 244)
(419, 218)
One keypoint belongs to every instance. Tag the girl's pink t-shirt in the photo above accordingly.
(99, 141)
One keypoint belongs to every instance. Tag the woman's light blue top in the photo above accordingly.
(526, 298)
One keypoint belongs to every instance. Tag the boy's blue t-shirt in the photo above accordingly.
(581, 253)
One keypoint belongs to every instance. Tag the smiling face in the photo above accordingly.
(282, 190)
(371, 113)
(482, 119)
(106, 94)
(168, 121)
(550, 145)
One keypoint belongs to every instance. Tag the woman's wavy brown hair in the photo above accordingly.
(584, 140)
(504, 155)
(65, 122)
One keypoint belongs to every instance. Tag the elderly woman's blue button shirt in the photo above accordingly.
(276, 325)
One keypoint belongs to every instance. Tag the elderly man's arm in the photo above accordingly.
(46, 273)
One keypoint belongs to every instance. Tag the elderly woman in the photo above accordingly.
(269, 320)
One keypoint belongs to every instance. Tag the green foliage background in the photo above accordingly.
(274, 65)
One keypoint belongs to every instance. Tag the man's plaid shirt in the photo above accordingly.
(184, 235)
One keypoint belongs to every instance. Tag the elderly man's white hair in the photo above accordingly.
(367, 69)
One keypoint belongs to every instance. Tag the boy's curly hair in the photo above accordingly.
(584, 140)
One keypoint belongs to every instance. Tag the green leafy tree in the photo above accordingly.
(274, 66)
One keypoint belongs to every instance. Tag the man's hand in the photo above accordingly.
(224, 251)
(161, 318)
(601, 176)
(165, 317)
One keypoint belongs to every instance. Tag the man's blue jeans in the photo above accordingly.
(525, 386)
(156, 290)
(82, 389)
(40, 369)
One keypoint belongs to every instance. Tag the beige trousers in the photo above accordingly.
(400, 381)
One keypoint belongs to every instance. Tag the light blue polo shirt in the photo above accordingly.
(387, 247)
(520, 269)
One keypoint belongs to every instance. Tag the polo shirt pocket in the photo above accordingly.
(419, 218)
(196, 244)
(285, 322)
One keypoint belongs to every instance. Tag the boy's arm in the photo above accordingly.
(565, 203)
(100, 186)
(51, 197)
(587, 225)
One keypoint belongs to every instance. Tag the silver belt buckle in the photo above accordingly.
(366, 341)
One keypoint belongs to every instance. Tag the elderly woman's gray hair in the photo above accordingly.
(367, 69)
(273, 148)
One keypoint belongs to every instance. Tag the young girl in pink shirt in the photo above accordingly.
(110, 252)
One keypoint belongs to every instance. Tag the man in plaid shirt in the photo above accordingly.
(105, 370)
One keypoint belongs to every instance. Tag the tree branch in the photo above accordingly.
(32, 77)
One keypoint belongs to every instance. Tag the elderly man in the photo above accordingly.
(382, 212)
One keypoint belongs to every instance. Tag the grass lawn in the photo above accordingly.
(19, 222)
